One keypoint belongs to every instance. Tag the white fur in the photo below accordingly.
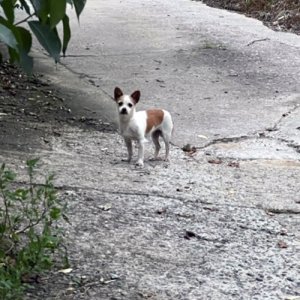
(133, 126)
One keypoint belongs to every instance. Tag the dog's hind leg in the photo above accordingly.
(167, 137)
(155, 138)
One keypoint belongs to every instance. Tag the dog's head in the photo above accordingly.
(126, 104)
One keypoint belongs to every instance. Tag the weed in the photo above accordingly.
(30, 233)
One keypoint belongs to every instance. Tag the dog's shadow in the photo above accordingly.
(148, 163)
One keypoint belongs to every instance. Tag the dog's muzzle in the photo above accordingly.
(123, 111)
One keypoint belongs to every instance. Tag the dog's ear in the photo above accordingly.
(136, 96)
(118, 93)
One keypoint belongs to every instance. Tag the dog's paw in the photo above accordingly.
(155, 158)
(126, 160)
(139, 163)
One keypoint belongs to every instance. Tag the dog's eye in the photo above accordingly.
(129, 104)
(120, 103)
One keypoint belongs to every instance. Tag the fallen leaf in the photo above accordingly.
(282, 244)
(108, 281)
(270, 214)
(106, 207)
(65, 271)
(202, 136)
(290, 297)
(189, 148)
(234, 164)
(114, 276)
(70, 290)
(30, 278)
(216, 161)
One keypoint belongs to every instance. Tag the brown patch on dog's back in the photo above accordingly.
(154, 118)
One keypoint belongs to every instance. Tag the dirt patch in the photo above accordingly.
(31, 109)
(33, 113)
(278, 14)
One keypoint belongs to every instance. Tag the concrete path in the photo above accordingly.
(220, 223)
(220, 74)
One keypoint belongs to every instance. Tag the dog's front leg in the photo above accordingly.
(140, 161)
(128, 143)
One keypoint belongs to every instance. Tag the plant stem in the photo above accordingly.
(32, 224)
(24, 20)
(6, 216)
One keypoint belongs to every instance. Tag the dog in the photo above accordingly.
(140, 125)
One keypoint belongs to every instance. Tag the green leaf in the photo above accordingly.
(66, 34)
(8, 8)
(55, 213)
(21, 193)
(41, 8)
(32, 162)
(9, 175)
(13, 55)
(24, 38)
(24, 42)
(79, 6)
(47, 37)
(2, 228)
(49, 180)
(9, 32)
(46, 261)
(2, 167)
(26, 62)
(25, 6)
(7, 37)
(57, 9)
(37, 5)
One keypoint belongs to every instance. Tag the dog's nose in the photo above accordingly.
(123, 111)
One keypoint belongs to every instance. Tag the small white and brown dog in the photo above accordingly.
(141, 125)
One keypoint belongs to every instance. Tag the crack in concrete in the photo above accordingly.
(284, 116)
(138, 193)
(79, 55)
(226, 140)
(283, 210)
(259, 134)
(288, 143)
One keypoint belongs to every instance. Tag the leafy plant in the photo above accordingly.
(30, 234)
(42, 16)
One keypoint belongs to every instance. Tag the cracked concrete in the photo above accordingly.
(220, 222)
(185, 230)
